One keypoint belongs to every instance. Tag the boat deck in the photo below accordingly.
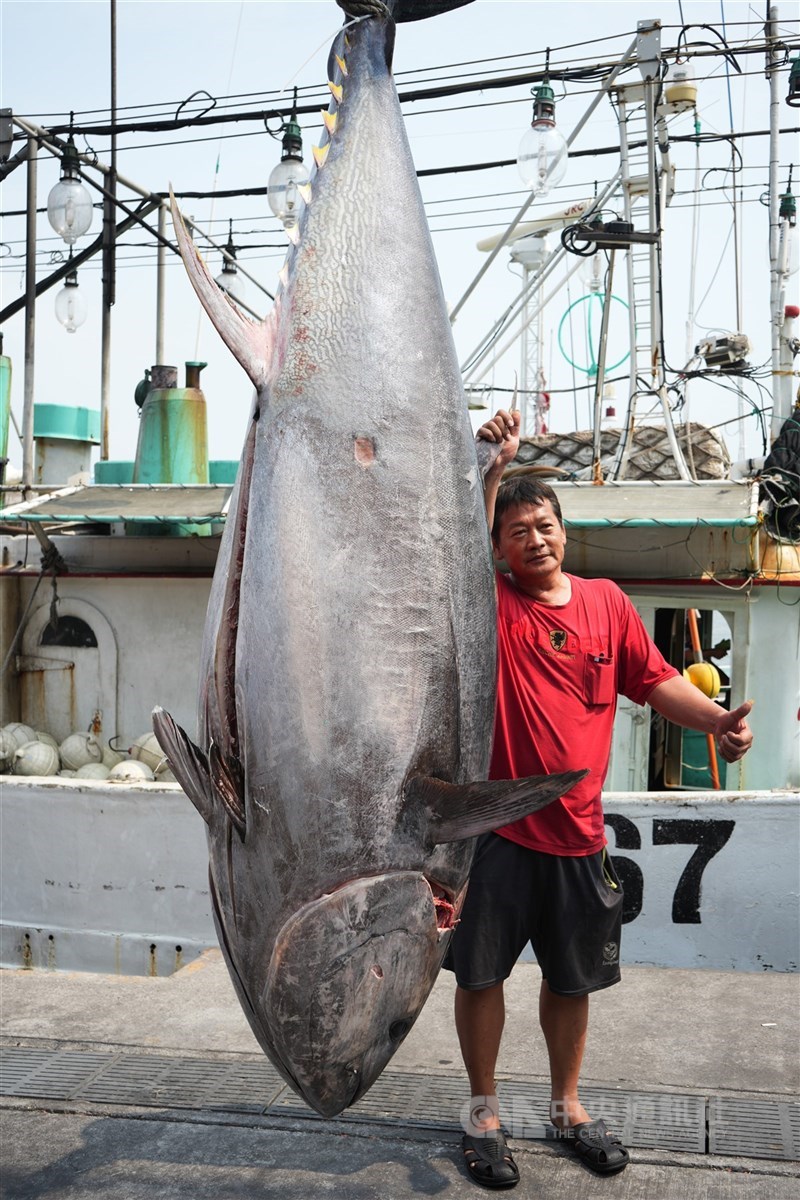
(134, 1087)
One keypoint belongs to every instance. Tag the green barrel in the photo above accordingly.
(173, 441)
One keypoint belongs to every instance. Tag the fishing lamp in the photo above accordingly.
(793, 95)
(680, 93)
(70, 303)
(593, 273)
(788, 208)
(228, 280)
(286, 179)
(542, 154)
(69, 205)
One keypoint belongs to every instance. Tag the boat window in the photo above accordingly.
(682, 758)
(68, 631)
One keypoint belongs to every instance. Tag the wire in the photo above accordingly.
(595, 72)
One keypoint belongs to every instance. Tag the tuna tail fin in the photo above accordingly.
(417, 10)
(187, 762)
(249, 341)
(460, 811)
(487, 452)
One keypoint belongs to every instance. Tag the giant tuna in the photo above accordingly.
(348, 665)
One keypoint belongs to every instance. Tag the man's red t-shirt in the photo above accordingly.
(560, 668)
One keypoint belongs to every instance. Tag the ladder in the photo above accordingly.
(647, 180)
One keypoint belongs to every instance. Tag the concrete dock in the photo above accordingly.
(129, 1087)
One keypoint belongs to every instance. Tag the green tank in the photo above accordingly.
(173, 440)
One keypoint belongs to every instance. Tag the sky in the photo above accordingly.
(55, 59)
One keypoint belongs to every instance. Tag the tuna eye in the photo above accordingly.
(398, 1030)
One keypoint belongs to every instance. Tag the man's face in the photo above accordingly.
(532, 541)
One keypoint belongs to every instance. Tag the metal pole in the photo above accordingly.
(542, 303)
(161, 263)
(42, 134)
(629, 53)
(109, 251)
(597, 470)
(626, 434)
(30, 318)
(557, 255)
(775, 313)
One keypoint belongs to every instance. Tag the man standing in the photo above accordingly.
(566, 648)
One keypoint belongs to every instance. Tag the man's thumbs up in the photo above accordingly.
(733, 735)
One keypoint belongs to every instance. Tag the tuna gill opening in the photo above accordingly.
(445, 909)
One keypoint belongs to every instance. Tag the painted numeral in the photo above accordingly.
(630, 873)
(709, 836)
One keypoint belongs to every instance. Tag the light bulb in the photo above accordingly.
(69, 205)
(283, 190)
(231, 282)
(69, 210)
(593, 272)
(542, 157)
(70, 305)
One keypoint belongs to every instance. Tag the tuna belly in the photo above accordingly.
(349, 975)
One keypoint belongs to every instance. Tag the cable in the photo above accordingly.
(595, 72)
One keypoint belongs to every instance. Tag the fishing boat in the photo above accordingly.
(106, 571)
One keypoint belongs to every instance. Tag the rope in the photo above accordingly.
(365, 8)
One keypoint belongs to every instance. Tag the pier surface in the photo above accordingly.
(128, 1087)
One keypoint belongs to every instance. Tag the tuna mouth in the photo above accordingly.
(444, 905)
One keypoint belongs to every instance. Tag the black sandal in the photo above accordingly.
(594, 1145)
(489, 1159)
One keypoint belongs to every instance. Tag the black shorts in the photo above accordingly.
(569, 909)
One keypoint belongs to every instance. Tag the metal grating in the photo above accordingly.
(754, 1128)
(413, 1099)
(667, 1121)
(143, 1079)
(125, 502)
(53, 1075)
(643, 1119)
(647, 1120)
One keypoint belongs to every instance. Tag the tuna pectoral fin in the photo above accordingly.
(227, 776)
(459, 811)
(187, 762)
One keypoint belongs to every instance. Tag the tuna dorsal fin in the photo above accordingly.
(249, 341)
(187, 762)
(459, 811)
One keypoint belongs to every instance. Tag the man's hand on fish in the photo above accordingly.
(503, 427)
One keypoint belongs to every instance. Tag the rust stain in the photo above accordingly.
(152, 970)
(178, 957)
(51, 953)
(33, 698)
(27, 953)
(73, 707)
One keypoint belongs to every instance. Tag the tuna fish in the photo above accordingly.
(348, 665)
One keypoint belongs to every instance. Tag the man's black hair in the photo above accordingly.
(522, 489)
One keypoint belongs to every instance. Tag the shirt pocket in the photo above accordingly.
(599, 680)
